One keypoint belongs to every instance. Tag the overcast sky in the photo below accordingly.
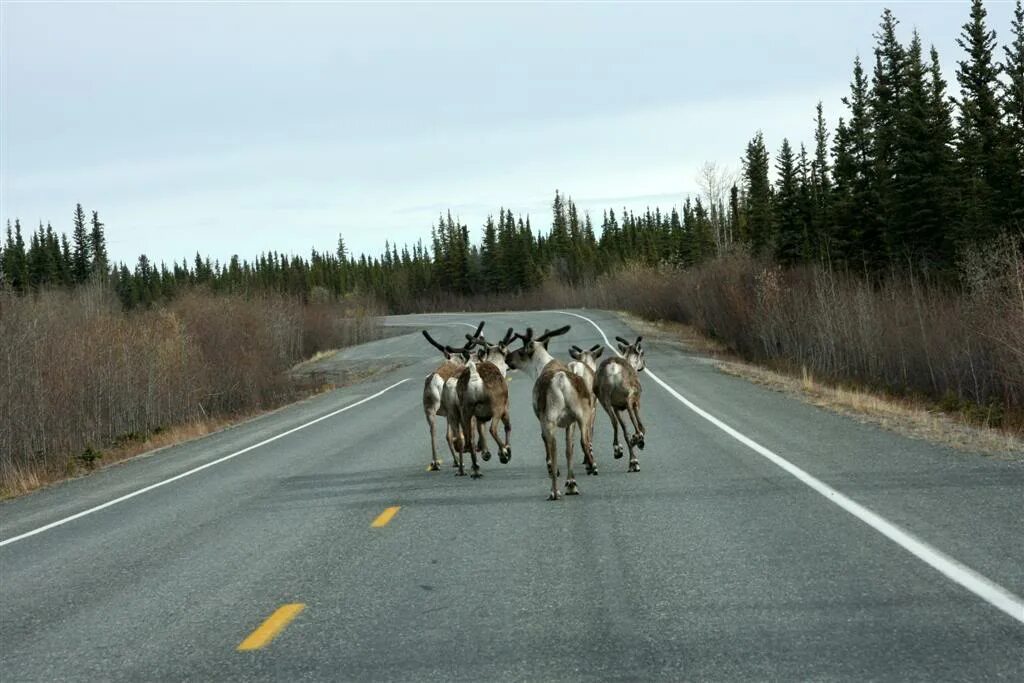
(245, 127)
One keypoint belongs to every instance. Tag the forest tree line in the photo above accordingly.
(909, 178)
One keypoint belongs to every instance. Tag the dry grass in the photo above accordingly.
(901, 415)
(317, 357)
(21, 480)
(685, 336)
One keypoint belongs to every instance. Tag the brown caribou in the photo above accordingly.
(561, 400)
(482, 395)
(433, 385)
(618, 389)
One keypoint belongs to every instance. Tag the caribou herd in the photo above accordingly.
(470, 390)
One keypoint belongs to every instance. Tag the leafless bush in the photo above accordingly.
(79, 373)
(906, 335)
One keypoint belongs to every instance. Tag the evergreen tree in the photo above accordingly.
(820, 184)
(98, 243)
(82, 254)
(16, 266)
(886, 106)
(862, 222)
(1013, 108)
(978, 132)
(67, 262)
(789, 234)
(758, 191)
(912, 218)
(489, 260)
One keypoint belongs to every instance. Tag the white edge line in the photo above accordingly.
(176, 477)
(983, 587)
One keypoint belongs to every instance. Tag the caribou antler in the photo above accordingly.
(434, 343)
(464, 351)
(548, 334)
(526, 338)
(476, 338)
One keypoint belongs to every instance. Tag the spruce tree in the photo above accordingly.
(886, 106)
(7, 258)
(820, 184)
(978, 131)
(82, 253)
(759, 195)
(1013, 112)
(489, 261)
(98, 243)
(67, 262)
(789, 238)
(863, 223)
(17, 259)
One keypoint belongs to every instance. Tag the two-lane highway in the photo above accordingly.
(312, 544)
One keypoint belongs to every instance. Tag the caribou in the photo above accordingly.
(482, 395)
(618, 389)
(561, 399)
(584, 364)
(433, 386)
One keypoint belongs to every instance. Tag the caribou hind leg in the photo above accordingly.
(505, 452)
(634, 464)
(587, 444)
(551, 453)
(616, 446)
(481, 443)
(571, 488)
(435, 462)
(633, 408)
(467, 430)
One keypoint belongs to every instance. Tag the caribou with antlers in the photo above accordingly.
(433, 386)
(483, 398)
(618, 389)
(561, 399)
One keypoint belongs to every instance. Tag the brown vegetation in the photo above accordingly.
(960, 349)
(81, 379)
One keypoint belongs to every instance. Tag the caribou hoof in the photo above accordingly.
(504, 456)
(634, 466)
(434, 466)
(476, 474)
(571, 489)
(554, 495)
(460, 473)
(486, 455)
(640, 441)
(593, 470)
(617, 452)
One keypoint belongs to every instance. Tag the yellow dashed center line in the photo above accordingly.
(269, 629)
(385, 517)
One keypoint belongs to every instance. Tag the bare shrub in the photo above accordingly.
(79, 375)
(961, 348)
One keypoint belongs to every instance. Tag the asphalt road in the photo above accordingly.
(715, 562)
